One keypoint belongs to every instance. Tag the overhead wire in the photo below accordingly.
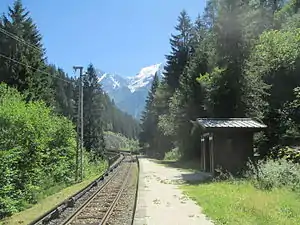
(15, 37)
(41, 71)
(23, 64)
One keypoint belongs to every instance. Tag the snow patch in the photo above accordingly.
(144, 77)
(110, 80)
(102, 77)
(116, 84)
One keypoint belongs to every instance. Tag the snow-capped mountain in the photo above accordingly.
(129, 93)
(144, 77)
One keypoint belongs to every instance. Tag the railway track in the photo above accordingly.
(100, 206)
(110, 199)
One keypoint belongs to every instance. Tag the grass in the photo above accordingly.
(239, 202)
(45, 204)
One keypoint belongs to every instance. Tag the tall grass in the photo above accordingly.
(274, 174)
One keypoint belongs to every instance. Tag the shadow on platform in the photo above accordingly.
(190, 170)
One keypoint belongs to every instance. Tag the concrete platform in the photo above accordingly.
(161, 202)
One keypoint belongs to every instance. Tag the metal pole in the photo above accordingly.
(78, 137)
(80, 126)
(81, 150)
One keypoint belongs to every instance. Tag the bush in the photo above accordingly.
(290, 154)
(275, 174)
(93, 167)
(174, 154)
(37, 150)
(119, 142)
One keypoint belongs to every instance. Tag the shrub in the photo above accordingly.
(93, 167)
(275, 174)
(174, 154)
(290, 154)
(37, 150)
(118, 141)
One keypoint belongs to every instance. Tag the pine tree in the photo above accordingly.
(93, 108)
(64, 92)
(227, 86)
(149, 120)
(181, 49)
(188, 102)
(28, 52)
(210, 13)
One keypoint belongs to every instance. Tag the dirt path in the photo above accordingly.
(161, 202)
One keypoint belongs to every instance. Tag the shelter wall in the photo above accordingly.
(232, 150)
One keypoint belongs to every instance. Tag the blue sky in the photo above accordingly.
(117, 36)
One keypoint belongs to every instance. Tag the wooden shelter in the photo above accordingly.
(227, 143)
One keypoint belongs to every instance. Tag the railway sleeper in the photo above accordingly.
(92, 221)
(93, 216)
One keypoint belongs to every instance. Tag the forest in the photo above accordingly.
(38, 117)
(237, 59)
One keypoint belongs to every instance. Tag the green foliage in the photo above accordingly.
(290, 154)
(149, 120)
(188, 102)
(277, 49)
(276, 59)
(60, 92)
(181, 49)
(275, 174)
(119, 142)
(37, 147)
(28, 80)
(93, 167)
(93, 107)
(117, 121)
(239, 59)
(64, 92)
(37, 150)
(174, 154)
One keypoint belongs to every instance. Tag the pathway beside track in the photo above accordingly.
(161, 202)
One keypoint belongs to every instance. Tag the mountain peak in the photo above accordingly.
(144, 77)
(148, 71)
(129, 93)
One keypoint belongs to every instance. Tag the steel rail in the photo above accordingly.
(137, 189)
(115, 201)
(74, 215)
(56, 210)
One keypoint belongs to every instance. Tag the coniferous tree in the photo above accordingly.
(188, 102)
(228, 83)
(63, 87)
(93, 108)
(181, 49)
(24, 48)
(149, 120)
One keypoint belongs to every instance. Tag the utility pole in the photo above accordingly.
(79, 125)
